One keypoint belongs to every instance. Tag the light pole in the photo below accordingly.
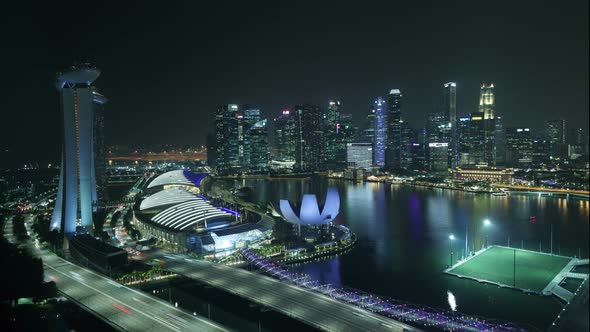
(486, 223)
(451, 238)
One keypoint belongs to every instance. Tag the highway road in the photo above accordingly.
(311, 308)
(124, 308)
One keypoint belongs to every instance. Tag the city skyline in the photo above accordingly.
(321, 166)
(192, 73)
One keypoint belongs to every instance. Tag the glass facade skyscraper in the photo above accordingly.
(394, 130)
(285, 136)
(333, 133)
(359, 155)
(309, 153)
(449, 109)
(380, 141)
(555, 133)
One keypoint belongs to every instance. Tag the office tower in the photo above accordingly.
(229, 138)
(439, 157)
(393, 146)
(217, 159)
(349, 134)
(500, 141)
(439, 130)
(76, 197)
(473, 140)
(257, 146)
(408, 136)
(449, 109)
(576, 136)
(418, 150)
(519, 147)
(359, 155)
(555, 132)
(487, 102)
(100, 149)
(332, 133)
(540, 155)
(251, 116)
(286, 136)
(211, 149)
(487, 106)
(309, 154)
(380, 144)
(449, 105)
(463, 139)
(577, 145)
(368, 132)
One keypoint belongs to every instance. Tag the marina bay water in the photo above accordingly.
(403, 241)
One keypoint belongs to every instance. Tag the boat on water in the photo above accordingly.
(499, 193)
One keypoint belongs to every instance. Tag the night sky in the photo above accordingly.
(165, 66)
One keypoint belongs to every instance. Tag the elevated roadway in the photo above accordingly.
(311, 308)
(123, 308)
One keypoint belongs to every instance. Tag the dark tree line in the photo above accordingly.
(22, 273)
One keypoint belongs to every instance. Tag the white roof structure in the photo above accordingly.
(189, 214)
(181, 177)
(172, 195)
(309, 213)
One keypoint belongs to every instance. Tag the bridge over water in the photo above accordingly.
(416, 314)
(311, 308)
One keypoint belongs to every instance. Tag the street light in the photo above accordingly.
(451, 238)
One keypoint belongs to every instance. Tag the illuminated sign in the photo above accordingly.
(438, 145)
(286, 112)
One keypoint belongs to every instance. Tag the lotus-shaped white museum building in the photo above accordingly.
(309, 211)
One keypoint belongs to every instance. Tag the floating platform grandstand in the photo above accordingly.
(524, 270)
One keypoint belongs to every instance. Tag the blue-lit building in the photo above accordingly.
(380, 140)
(77, 193)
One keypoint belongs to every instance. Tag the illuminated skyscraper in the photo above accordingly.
(499, 141)
(519, 147)
(487, 106)
(449, 104)
(229, 137)
(333, 134)
(556, 133)
(309, 154)
(394, 129)
(380, 140)
(286, 136)
(487, 102)
(449, 109)
(77, 197)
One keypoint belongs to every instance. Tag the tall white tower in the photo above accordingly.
(76, 197)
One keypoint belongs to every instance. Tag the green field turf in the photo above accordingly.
(534, 271)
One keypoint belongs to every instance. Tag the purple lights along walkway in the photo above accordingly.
(406, 312)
